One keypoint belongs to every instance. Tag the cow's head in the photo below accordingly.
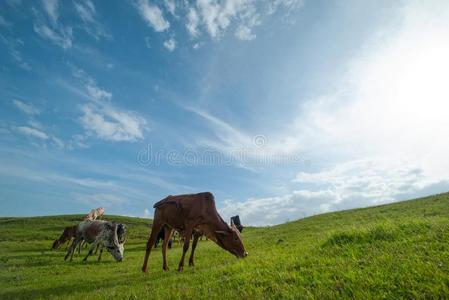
(115, 245)
(56, 245)
(231, 241)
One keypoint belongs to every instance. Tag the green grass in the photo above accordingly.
(393, 251)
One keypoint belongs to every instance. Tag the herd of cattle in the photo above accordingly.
(186, 217)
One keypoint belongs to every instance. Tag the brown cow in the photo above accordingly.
(68, 233)
(188, 214)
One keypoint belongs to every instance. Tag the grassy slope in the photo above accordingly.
(394, 251)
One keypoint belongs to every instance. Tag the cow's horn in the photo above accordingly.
(115, 236)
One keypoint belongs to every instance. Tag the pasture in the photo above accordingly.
(392, 251)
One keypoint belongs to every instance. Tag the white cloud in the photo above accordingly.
(216, 17)
(277, 209)
(97, 93)
(33, 132)
(170, 44)
(29, 109)
(51, 8)
(153, 15)
(111, 124)
(348, 185)
(244, 33)
(193, 22)
(288, 5)
(171, 6)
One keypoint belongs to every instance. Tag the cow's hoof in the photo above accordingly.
(180, 269)
(191, 264)
(144, 269)
(166, 269)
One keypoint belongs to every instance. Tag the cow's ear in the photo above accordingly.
(221, 232)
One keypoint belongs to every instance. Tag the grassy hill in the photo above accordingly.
(393, 251)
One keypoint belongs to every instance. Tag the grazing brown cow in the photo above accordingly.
(189, 214)
(66, 236)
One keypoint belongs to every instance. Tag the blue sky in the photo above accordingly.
(282, 108)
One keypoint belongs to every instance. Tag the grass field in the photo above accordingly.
(393, 251)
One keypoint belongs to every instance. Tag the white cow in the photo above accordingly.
(94, 214)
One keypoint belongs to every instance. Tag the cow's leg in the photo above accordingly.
(76, 242)
(72, 249)
(82, 244)
(101, 252)
(96, 249)
(164, 247)
(194, 243)
(91, 250)
(150, 243)
(68, 250)
(185, 248)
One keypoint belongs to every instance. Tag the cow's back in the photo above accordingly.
(90, 229)
(177, 210)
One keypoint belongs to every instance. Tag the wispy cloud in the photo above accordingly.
(53, 31)
(14, 45)
(29, 109)
(60, 36)
(33, 132)
(228, 138)
(153, 15)
(4, 22)
(87, 13)
(51, 8)
(170, 44)
(97, 93)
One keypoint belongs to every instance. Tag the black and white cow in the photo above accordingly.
(100, 233)
(235, 220)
